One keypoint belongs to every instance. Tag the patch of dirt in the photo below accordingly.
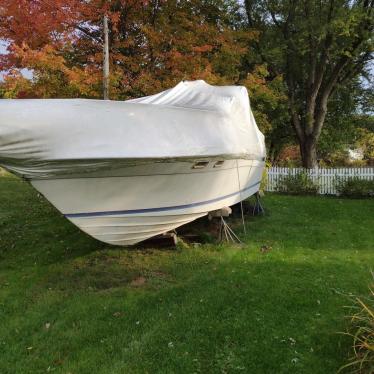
(138, 282)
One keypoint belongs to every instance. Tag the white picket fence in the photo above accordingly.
(325, 178)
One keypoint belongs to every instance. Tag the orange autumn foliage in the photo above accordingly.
(154, 45)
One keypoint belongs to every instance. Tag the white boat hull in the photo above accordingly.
(127, 205)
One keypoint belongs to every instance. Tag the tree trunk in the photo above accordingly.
(106, 59)
(308, 150)
(307, 142)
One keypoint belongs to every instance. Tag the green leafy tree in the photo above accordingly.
(340, 129)
(364, 136)
(318, 46)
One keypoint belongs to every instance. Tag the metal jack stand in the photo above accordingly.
(225, 232)
(258, 208)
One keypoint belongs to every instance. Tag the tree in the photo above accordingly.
(318, 46)
(39, 34)
(348, 110)
(164, 42)
(154, 45)
(269, 105)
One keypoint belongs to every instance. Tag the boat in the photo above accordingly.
(126, 171)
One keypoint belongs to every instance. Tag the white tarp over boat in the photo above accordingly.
(126, 171)
(192, 119)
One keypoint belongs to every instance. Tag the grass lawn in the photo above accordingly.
(70, 304)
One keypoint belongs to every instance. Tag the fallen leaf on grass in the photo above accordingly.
(265, 248)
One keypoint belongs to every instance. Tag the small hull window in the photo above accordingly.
(218, 164)
(200, 165)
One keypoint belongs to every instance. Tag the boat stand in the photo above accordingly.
(258, 208)
(167, 240)
(227, 234)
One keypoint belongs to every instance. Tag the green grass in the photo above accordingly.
(70, 304)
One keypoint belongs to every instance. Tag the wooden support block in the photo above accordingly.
(167, 240)
(223, 212)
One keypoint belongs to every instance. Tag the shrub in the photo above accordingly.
(298, 184)
(357, 163)
(355, 187)
(361, 330)
(264, 178)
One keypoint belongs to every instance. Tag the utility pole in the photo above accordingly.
(106, 59)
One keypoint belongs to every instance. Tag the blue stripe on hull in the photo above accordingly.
(160, 209)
